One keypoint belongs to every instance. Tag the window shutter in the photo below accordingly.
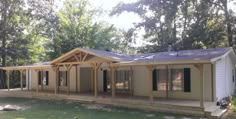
(154, 80)
(46, 77)
(39, 77)
(187, 80)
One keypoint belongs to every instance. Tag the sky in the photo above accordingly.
(123, 21)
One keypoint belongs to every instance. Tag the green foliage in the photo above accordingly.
(233, 107)
(77, 28)
(186, 24)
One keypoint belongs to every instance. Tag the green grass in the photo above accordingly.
(42, 109)
(233, 107)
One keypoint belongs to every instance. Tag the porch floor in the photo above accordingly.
(118, 96)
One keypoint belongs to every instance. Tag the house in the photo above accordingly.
(203, 76)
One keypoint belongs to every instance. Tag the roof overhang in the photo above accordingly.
(231, 53)
(164, 63)
(38, 67)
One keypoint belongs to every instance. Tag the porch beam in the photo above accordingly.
(150, 69)
(85, 56)
(77, 59)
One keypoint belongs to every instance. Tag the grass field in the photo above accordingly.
(42, 109)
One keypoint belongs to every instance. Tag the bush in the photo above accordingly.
(233, 107)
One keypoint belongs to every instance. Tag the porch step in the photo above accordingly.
(214, 112)
(218, 113)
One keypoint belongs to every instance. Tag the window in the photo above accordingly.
(177, 78)
(122, 80)
(43, 76)
(62, 78)
(181, 80)
(159, 79)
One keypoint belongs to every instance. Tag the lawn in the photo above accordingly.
(42, 109)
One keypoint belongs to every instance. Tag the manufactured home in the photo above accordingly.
(201, 77)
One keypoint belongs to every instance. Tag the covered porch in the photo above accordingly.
(65, 79)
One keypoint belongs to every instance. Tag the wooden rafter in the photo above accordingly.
(85, 56)
(76, 57)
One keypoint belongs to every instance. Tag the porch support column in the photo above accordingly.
(76, 78)
(21, 80)
(28, 79)
(167, 81)
(68, 68)
(8, 80)
(200, 68)
(150, 69)
(56, 69)
(201, 87)
(95, 67)
(113, 87)
(37, 82)
(131, 81)
(41, 79)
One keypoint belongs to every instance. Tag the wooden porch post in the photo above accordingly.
(68, 68)
(21, 80)
(201, 85)
(95, 83)
(8, 80)
(131, 81)
(113, 87)
(28, 86)
(56, 79)
(95, 67)
(92, 78)
(76, 78)
(150, 69)
(56, 69)
(167, 81)
(41, 80)
(37, 82)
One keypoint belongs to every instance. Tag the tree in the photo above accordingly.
(22, 26)
(185, 24)
(78, 28)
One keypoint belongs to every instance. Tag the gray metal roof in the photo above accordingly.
(200, 54)
(183, 55)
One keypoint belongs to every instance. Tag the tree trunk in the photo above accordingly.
(228, 25)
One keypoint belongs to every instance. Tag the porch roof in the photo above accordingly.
(180, 57)
(173, 57)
